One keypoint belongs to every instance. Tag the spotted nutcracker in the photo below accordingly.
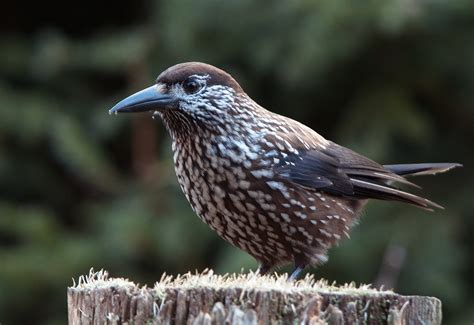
(267, 184)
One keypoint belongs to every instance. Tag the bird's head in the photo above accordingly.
(187, 93)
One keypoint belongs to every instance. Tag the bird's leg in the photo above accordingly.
(296, 272)
(264, 268)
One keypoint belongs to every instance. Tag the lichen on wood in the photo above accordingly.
(207, 298)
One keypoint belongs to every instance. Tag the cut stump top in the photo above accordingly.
(241, 299)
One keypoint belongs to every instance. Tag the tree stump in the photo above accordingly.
(241, 299)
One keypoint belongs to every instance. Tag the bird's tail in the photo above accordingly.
(405, 170)
(421, 169)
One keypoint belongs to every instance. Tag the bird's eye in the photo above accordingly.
(191, 86)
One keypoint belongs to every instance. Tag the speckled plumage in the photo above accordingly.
(266, 183)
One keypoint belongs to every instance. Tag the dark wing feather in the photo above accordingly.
(316, 169)
(341, 171)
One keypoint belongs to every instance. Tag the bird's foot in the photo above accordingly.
(296, 272)
(263, 269)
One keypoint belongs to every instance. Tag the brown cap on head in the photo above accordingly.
(180, 72)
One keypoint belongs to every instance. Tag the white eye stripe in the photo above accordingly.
(200, 77)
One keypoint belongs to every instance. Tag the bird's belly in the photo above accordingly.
(270, 220)
(220, 194)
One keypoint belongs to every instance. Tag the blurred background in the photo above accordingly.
(393, 80)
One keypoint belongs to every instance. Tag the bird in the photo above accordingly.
(265, 183)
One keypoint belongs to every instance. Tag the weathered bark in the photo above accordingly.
(241, 299)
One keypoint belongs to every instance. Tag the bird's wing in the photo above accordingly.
(340, 171)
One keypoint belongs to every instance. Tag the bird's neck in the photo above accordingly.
(180, 126)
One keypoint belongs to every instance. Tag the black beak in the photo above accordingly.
(149, 99)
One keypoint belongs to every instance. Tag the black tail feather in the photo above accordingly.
(370, 186)
(373, 190)
(421, 169)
